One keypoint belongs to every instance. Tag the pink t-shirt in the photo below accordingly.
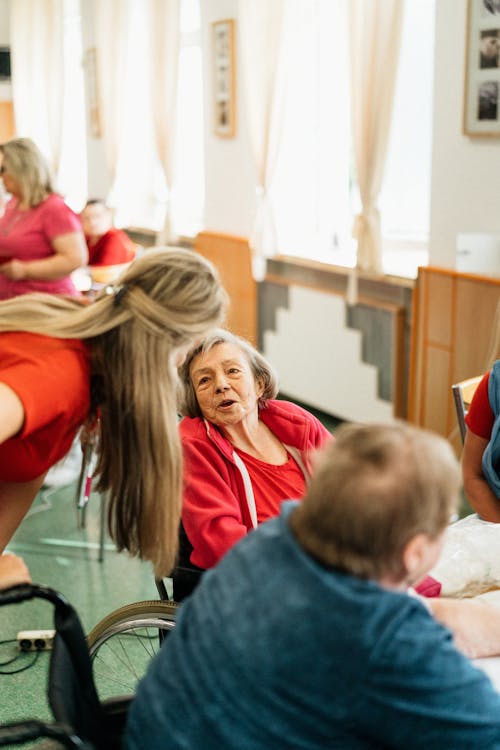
(27, 235)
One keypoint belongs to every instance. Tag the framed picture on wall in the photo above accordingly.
(224, 79)
(482, 69)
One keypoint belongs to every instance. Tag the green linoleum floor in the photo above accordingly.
(62, 556)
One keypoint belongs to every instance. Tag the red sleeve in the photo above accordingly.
(320, 436)
(58, 218)
(113, 248)
(480, 417)
(211, 512)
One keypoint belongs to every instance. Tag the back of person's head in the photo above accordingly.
(374, 489)
(164, 301)
(96, 202)
(29, 168)
(262, 371)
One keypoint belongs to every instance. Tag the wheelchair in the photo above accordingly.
(91, 681)
(123, 643)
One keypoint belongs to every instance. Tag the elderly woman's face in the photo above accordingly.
(224, 384)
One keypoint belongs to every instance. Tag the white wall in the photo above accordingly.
(99, 179)
(4, 23)
(465, 171)
(230, 174)
(5, 87)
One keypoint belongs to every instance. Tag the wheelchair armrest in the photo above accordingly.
(17, 733)
(25, 591)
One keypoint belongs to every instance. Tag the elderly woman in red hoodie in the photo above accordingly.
(244, 451)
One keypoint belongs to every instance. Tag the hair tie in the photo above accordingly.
(118, 292)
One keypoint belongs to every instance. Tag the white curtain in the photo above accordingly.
(36, 35)
(261, 23)
(165, 35)
(375, 35)
(111, 29)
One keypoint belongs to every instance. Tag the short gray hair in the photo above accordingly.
(375, 488)
(262, 371)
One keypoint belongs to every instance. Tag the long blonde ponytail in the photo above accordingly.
(166, 299)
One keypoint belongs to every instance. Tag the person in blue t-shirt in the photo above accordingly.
(305, 635)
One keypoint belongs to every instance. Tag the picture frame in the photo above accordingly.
(224, 78)
(481, 115)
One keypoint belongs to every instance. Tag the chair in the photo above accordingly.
(72, 693)
(185, 576)
(83, 490)
(463, 392)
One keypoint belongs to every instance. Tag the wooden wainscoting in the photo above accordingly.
(232, 257)
(452, 328)
(348, 361)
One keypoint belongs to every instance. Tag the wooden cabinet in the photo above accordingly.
(453, 321)
(232, 257)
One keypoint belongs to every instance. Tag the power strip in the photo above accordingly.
(35, 640)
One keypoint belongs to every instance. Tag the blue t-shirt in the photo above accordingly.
(275, 651)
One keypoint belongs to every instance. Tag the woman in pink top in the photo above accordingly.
(41, 239)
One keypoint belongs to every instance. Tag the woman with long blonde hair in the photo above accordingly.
(113, 363)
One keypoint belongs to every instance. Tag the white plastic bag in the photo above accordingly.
(470, 561)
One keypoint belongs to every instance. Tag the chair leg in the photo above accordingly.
(162, 589)
(84, 485)
(102, 525)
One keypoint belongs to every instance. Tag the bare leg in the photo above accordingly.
(15, 501)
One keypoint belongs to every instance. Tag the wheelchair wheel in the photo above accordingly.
(124, 642)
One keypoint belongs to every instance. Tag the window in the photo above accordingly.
(310, 190)
(72, 174)
(141, 192)
(314, 192)
(189, 189)
(405, 198)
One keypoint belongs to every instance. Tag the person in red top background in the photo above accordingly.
(480, 420)
(107, 245)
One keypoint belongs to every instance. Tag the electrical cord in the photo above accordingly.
(15, 658)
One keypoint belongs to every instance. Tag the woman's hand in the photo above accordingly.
(70, 253)
(13, 269)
